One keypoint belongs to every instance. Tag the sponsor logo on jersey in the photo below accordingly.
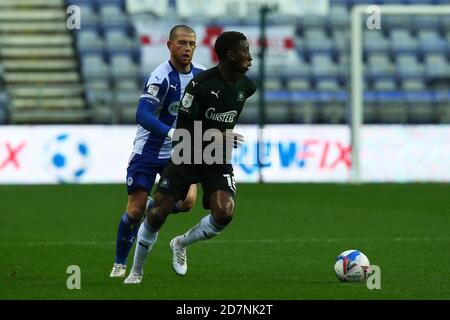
(227, 117)
(173, 108)
(187, 101)
(153, 90)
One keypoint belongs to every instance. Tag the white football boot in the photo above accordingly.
(179, 259)
(118, 270)
(133, 278)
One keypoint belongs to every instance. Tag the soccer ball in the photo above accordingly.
(67, 158)
(352, 266)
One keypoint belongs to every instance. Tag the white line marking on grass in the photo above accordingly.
(292, 240)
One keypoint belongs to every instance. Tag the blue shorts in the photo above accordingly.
(142, 174)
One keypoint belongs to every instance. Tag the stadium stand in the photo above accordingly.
(40, 73)
(109, 57)
(95, 75)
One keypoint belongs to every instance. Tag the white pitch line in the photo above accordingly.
(218, 241)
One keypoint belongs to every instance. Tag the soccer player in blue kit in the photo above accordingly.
(156, 117)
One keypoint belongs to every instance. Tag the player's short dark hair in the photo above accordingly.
(227, 41)
(174, 30)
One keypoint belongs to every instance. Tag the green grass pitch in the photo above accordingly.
(282, 243)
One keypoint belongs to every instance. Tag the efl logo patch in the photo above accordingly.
(187, 100)
(153, 90)
(240, 97)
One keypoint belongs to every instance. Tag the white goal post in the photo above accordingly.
(357, 80)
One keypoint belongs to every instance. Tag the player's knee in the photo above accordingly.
(187, 204)
(135, 211)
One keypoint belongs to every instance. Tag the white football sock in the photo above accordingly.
(145, 240)
(207, 228)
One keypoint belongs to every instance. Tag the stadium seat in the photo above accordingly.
(250, 112)
(379, 65)
(3, 115)
(277, 113)
(89, 40)
(391, 22)
(296, 84)
(298, 70)
(117, 40)
(111, 15)
(305, 113)
(93, 66)
(100, 83)
(447, 37)
(88, 15)
(273, 83)
(330, 84)
(421, 111)
(80, 2)
(386, 84)
(311, 21)
(423, 22)
(127, 84)
(333, 113)
(430, 41)
(122, 66)
(99, 97)
(445, 23)
(3, 107)
(316, 40)
(436, 66)
(323, 66)
(402, 41)
(119, 3)
(408, 66)
(341, 40)
(388, 113)
(344, 67)
(413, 85)
(339, 16)
(125, 106)
(443, 113)
(375, 41)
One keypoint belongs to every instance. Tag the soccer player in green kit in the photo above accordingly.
(215, 99)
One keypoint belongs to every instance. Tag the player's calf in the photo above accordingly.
(222, 207)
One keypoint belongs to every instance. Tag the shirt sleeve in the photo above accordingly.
(145, 117)
(155, 90)
(155, 87)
